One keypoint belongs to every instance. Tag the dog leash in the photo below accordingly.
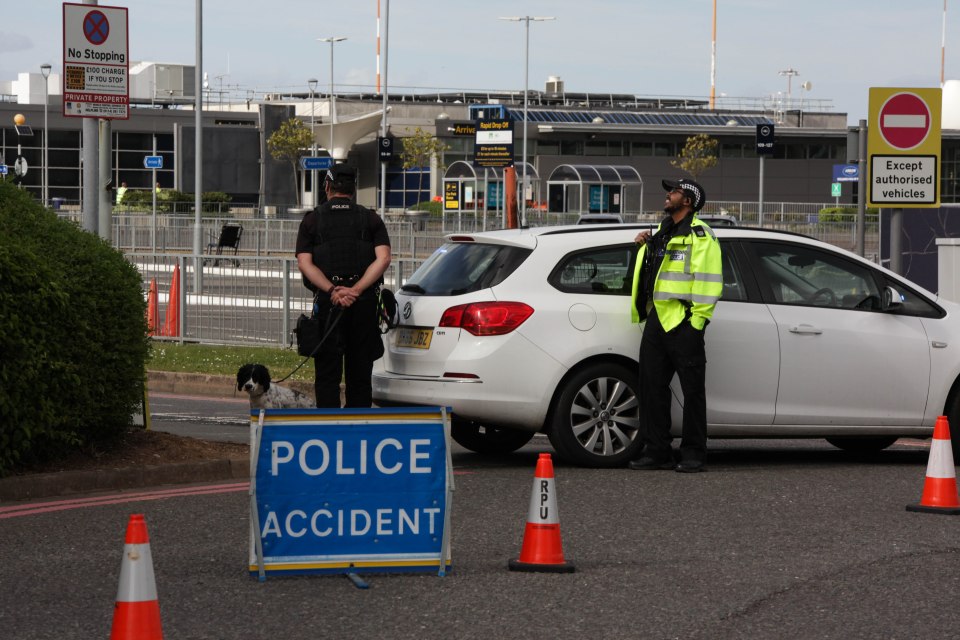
(332, 321)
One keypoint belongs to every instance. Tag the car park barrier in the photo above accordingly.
(940, 486)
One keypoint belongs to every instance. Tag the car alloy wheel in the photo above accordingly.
(596, 418)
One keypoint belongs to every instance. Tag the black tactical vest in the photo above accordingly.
(343, 245)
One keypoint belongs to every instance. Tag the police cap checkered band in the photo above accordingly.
(698, 196)
(341, 173)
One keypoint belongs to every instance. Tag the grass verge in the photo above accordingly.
(225, 360)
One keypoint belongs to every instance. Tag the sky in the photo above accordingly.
(647, 48)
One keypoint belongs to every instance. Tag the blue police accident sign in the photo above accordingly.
(350, 491)
(153, 162)
(846, 173)
(315, 163)
(3, 170)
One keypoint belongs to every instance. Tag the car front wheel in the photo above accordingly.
(597, 416)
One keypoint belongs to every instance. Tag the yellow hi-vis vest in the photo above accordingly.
(691, 275)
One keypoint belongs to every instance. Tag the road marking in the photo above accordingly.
(37, 508)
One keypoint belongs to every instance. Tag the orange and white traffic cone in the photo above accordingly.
(136, 614)
(940, 487)
(171, 323)
(542, 548)
(153, 310)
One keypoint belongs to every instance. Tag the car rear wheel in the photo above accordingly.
(597, 416)
(488, 439)
(865, 444)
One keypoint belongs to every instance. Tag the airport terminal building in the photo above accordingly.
(585, 151)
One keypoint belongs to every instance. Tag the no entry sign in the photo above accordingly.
(903, 146)
(904, 120)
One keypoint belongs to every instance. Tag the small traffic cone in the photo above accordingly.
(542, 548)
(171, 323)
(136, 614)
(153, 311)
(940, 487)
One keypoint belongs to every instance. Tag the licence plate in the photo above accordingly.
(413, 338)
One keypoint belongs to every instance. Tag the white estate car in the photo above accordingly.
(528, 330)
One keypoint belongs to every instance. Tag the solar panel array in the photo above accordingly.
(633, 118)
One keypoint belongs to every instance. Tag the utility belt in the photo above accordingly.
(345, 281)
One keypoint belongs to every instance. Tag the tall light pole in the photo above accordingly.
(333, 104)
(312, 83)
(526, 84)
(45, 70)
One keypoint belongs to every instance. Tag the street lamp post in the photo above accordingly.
(312, 83)
(45, 70)
(333, 105)
(526, 84)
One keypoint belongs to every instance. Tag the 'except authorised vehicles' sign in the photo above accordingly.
(341, 491)
(903, 146)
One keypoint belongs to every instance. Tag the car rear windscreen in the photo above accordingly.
(458, 268)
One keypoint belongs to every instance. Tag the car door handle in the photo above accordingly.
(806, 329)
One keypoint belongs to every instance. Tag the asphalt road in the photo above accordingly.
(778, 539)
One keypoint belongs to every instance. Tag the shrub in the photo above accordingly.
(173, 201)
(435, 208)
(72, 335)
(845, 214)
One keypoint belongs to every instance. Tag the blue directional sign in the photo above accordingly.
(3, 170)
(315, 163)
(153, 162)
(846, 173)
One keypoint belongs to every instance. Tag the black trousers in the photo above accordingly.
(663, 354)
(348, 353)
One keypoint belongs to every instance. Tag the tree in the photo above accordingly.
(698, 155)
(288, 143)
(418, 150)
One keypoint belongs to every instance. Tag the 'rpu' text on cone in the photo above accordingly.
(542, 548)
(136, 615)
(940, 486)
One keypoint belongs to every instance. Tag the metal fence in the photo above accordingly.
(240, 300)
(253, 297)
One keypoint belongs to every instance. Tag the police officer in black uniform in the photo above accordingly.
(342, 251)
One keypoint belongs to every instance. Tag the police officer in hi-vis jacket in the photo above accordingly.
(677, 282)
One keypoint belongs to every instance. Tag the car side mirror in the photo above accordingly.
(891, 298)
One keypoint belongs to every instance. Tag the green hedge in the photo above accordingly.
(845, 214)
(72, 335)
(435, 208)
(171, 200)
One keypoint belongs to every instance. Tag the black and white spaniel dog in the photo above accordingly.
(255, 380)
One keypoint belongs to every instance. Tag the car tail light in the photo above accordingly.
(487, 318)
